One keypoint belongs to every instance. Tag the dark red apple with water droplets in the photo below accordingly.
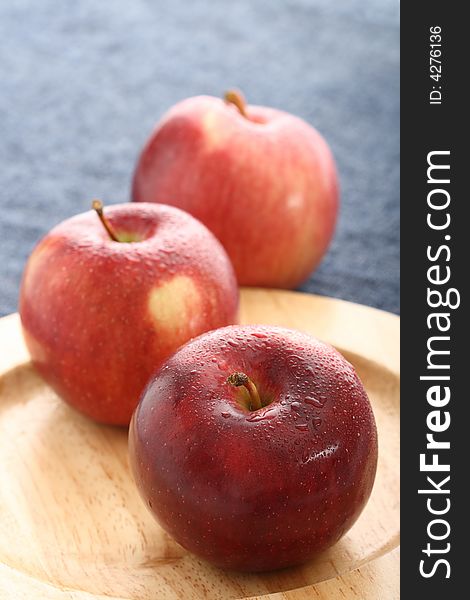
(255, 447)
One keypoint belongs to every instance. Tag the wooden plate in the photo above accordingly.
(73, 526)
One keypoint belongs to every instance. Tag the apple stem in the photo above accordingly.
(97, 205)
(242, 380)
(236, 98)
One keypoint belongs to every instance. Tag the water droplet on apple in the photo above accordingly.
(226, 415)
(314, 401)
(301, 426)
(263, 416)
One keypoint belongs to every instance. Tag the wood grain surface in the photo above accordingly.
(72, 525)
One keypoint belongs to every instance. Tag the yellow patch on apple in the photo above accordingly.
(212, 132)
(175, 305)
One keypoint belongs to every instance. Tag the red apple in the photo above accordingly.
(263, 181)
(100, 315)
(255, 447)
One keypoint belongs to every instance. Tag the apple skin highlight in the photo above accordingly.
(100, 316)
(262, 489)
(265, 184)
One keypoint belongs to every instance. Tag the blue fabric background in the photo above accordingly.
(82, 83)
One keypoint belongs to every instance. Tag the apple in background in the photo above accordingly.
(255, 447)
(103, 304)
(262, 180)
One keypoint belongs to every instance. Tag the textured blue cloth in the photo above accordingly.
(82, 83)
